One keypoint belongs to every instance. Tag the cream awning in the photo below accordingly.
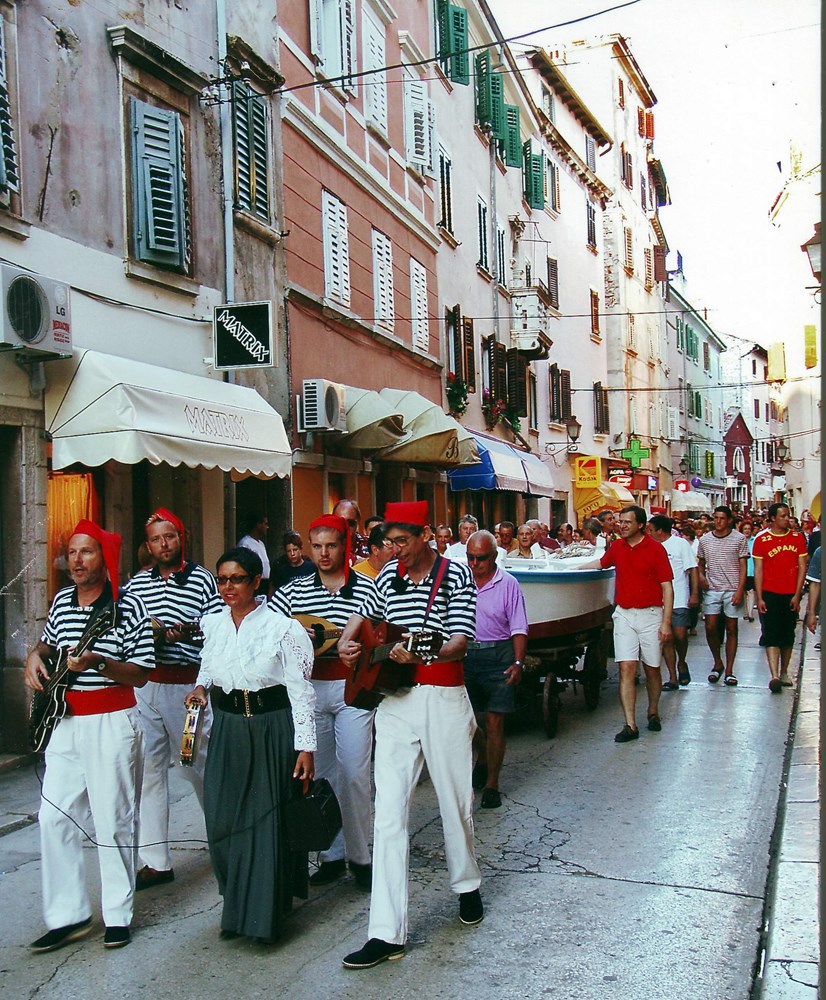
(101, 407)
(616, 492)
(690, 501)
(371, 422)
(433, 438)
(763, 492)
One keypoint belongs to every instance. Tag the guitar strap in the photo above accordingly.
(440, 567)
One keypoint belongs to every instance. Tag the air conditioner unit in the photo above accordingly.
(36, 318)
(323, 406)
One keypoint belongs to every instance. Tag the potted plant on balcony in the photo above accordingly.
(492, 409)
(456, 390)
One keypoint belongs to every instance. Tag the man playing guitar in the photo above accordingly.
(177, 592)
(93, 758)
(432, 723)
(344, 733)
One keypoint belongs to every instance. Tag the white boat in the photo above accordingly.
(562, 601)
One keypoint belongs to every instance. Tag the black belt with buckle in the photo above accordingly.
(240, 701)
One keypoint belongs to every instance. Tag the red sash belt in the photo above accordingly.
(448, 674)
(330, 670)
(165, 673)
(114, 698)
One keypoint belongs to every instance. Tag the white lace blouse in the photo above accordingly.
(265, 650)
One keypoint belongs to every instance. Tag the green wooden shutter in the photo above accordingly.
(498, 121)
(159, 197)
(513, 143)
(251, 135)
(453, 43)
(532, 168)
(484, 99)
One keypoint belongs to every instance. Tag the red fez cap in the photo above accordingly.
(162, 514)
(411, 512)
(336, 523)
(110, 544)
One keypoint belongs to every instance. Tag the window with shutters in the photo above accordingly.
(690, 397)
(383, 312)
(375, 85)
(517, 373)
(594, 313)
(9, 166)
(553, 282)
(251, 136)
(549, 104)
(660, 272)
(552, 194)
(620, 92)
(452, 39)
(333, 40)
(631, 334)
(591, 228)
(483, 235)
(533, 402)
(706, 357)
(649, 124)
(680, 333)
(628, 261)
(461, 346)
(649, 269)
(680, 395)
(601, 423)
(160, 207)
(590, 153)
(533, 176)
(469, 345)
(445, 191)
(510, 149)
(643, 193)
(501, 258)
(418, 305)
(673, 423)
(757, 409)
(559, 393)
(490, 97)
(419, 121)
(495, 369)
(336, 249)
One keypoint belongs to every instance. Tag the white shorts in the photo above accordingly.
(637, 635)
(717, 602)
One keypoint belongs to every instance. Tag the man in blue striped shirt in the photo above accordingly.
(177, 592)
(432, 723)
(93, 758)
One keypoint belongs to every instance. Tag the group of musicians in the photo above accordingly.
(110, 751)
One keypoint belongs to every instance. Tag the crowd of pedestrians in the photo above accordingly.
(263, 652)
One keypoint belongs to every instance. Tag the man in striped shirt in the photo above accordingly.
(93, 759)
(432, 723)
(344, 733)
(177, 592)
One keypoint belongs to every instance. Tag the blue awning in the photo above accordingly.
(503, 467)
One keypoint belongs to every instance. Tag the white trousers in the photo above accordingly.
(162, 712)
(427, 724)
(93, 763)
(344, 738)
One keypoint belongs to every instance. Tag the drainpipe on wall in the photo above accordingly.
(492, 236)
(225, 132)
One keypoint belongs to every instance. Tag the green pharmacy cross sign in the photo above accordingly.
(635, 454)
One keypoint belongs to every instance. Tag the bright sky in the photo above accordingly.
(736, 81)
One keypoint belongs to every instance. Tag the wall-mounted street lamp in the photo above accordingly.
(572, 430)
(812, 250)
(683, 465)
(781, 450)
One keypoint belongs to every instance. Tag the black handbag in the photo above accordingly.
(312, 820)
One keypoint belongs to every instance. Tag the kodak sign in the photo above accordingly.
(587, 471)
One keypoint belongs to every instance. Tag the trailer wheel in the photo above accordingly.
(594, 672)
(550, 706)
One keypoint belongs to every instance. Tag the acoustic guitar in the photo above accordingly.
(49, 705)
(374, 675)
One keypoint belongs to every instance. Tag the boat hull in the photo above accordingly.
(565, 603)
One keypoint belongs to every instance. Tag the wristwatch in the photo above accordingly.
(518, 663)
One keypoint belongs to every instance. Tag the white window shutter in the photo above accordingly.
(316, 11)
(418, 305)
(375, 85)
(336, 249)
(348, 43)
(673, 423)
(416, 123)
(383, 280)
(432, 141)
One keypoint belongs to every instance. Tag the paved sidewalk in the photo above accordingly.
(790, 968)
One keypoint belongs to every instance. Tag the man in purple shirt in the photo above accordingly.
(493, 663)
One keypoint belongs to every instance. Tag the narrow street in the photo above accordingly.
(610, 872)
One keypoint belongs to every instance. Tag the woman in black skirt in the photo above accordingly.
(256, 666)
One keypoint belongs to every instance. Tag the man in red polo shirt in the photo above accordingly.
(779, 573)
(642, 619)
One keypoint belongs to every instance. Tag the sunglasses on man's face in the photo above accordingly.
(484, 558)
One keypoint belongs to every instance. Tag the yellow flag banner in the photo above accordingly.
(810, 343)
(777, 362)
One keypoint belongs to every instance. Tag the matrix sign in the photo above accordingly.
(242, 335)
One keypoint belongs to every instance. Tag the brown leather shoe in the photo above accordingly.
(148, 878)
